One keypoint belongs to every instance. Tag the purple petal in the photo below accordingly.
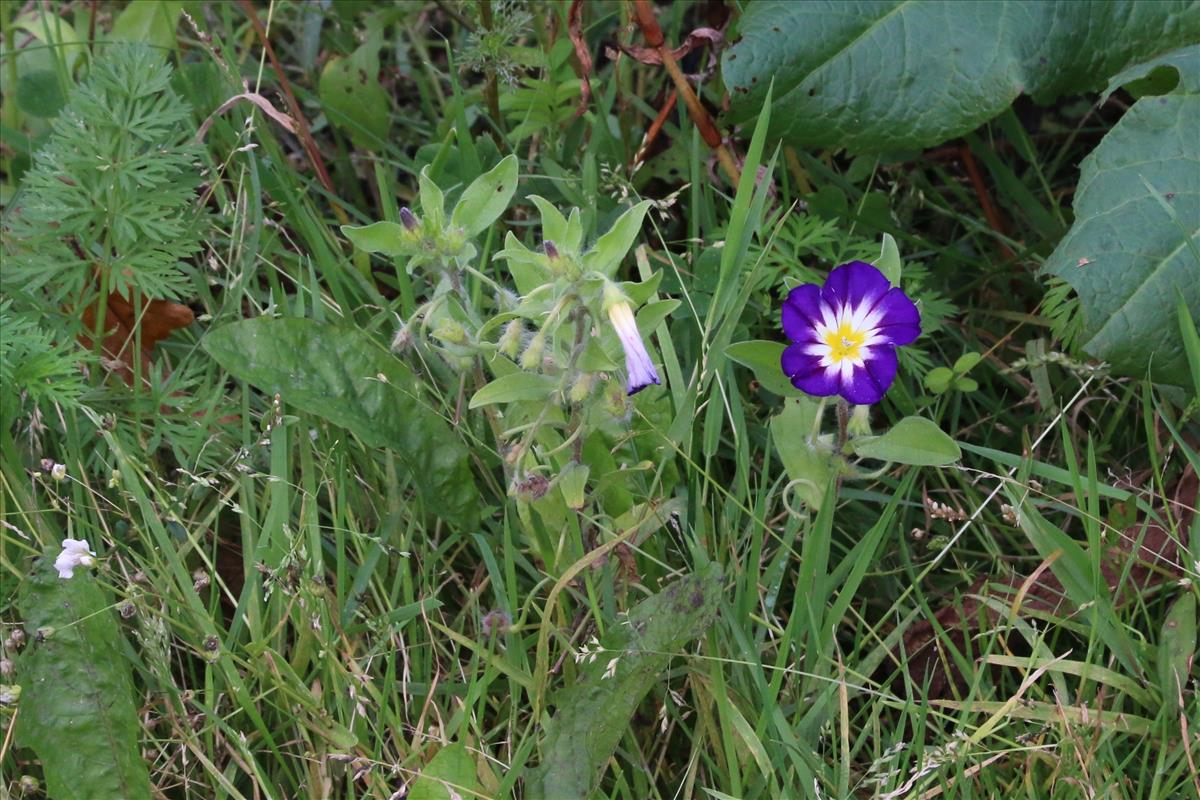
(853, 284)
(869, 383)
(900, 322)
(801, 311)
(807, 374)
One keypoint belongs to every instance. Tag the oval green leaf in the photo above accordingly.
(762, 357)
(485, 199)
(912, 440)
(514, 387)
(342, 375)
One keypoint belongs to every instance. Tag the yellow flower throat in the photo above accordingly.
(845, 342)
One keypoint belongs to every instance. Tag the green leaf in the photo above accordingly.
(1177, 648)
(762, 357)
(451, 770)
(889, 262)
(40, 93)
(554, 224)
(433, 201)
(572, 482)
(514, 387)
(593, 711)
(353, 98)
(605, 256)
(485, 199)
(966, 384)
(388, 238)
(149, 21)
(342, 375)
(1191, 340)
(77, 709)
(871, 75)
(1135, 246)
(651, 315)
(1073, 566)
(966, 362)
(912, 440)
(807, 463)
(938, 379)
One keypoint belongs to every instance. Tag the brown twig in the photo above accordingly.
(655, 128)
(575, 31)
(699, 114)
(306, 139)
(990, 212)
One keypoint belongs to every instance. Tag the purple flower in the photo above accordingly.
(639, 370)
(845, 334)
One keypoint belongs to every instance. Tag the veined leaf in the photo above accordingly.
(513, 387)
(876, 74)
(342, 375)
(486, 198)
(594, 711)
(1134, 249)
(77, 709)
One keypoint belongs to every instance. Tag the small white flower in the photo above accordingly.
(75, 553)
(610, 670)
(58, 471)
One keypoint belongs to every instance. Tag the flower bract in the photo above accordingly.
(845, 333)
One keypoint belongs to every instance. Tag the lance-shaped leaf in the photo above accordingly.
(77, 709)
(605, 256)
(485, 199)
(342, 375)
(1134, 250)
(594, 711)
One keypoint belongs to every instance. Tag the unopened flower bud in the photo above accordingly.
(530, 488)
(551, 250)
(860, 421)
(450, 332)
(532, 357)
(582, 387)
(510, 340)
(58, 471)
(402, 340)
(407, 219)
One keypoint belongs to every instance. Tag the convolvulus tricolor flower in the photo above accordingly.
(845, 333)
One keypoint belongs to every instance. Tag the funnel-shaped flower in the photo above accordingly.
(845, 334)
(639, 370)
(75, 553)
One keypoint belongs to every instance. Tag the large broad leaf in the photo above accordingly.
(450, 774)
(76, 708)
(353, 97)
(887, 74)
(594, 711)
(1134, 249)
(344, 376)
